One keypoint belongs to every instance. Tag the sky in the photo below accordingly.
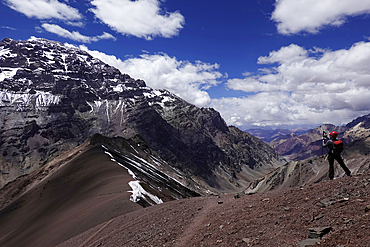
(276, 63)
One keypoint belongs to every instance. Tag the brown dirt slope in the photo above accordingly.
(86, 191)
(274, 218)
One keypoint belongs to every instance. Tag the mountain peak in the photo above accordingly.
(60, 95)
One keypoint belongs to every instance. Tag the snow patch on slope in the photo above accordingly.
(137, 190)
(39, 99)
(7, 73)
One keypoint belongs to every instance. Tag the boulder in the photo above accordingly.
(318, 232)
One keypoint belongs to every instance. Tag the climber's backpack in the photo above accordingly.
(338, 146)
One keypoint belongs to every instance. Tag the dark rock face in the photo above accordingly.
(364, 119)
(53, 97)
(147, 166)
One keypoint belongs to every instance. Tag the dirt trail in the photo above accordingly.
(96, 233)
(275, 218)
(197, 223)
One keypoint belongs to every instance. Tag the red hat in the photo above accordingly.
(334, 134)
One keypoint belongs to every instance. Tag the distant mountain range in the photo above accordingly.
(309, 144)
(267, 135)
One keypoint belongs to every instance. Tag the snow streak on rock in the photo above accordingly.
(41, 100)
(138, 192)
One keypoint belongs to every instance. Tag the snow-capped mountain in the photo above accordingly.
(54, 96)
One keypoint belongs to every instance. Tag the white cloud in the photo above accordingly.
(44, 9)
(10, 28)
(306, 86)
(75, 23)
(160, 71)
(264, 107)
(289, 54)
(38, 29)
(103, 36)
(294, 16)
(140, 18)
(76, 36)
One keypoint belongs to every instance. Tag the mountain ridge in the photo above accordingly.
(59, 96)
(98, 180)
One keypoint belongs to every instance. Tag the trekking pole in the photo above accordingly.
(322, 138)
(322, 149)
(323, 135)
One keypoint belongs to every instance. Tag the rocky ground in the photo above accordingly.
(275, 218)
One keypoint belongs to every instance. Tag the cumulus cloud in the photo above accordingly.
(264, 107)
(140, 18)
(76, 36)
(303, 86)
(294, 16)
(183, 78)
(275, 109)
(44, 9)
(300, 87)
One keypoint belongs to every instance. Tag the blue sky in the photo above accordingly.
(258, 62)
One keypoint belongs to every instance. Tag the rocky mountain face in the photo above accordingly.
(358, 128)
(53, 97)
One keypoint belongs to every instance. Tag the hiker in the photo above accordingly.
(335, 148)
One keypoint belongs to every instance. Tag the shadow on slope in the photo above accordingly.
(93, 186)
(84, 192)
